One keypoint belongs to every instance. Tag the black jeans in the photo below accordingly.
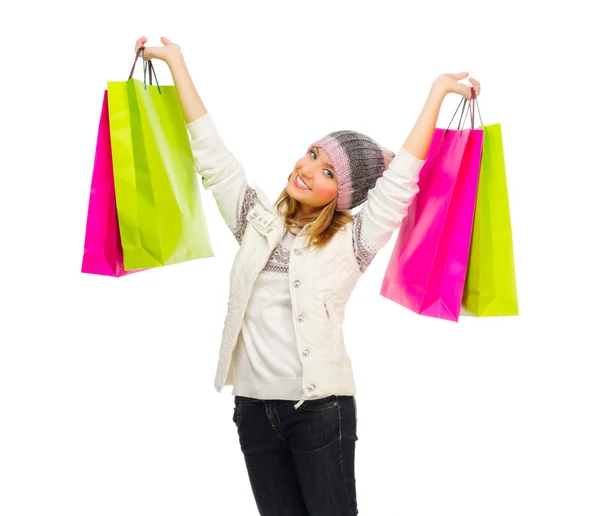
(300, 462)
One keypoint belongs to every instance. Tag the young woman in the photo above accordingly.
(299, 260)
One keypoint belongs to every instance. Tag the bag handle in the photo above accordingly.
(463, 102)
(146, 65)
(472, 103)
(151, 66)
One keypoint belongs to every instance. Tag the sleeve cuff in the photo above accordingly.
(202, 126)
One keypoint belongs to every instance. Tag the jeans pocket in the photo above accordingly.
(237, 414)
(320, 404)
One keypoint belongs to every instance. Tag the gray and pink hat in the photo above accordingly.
(358, 162)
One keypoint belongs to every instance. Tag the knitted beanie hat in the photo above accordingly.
(358, 162)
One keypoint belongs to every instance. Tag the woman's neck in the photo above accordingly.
(305, 212)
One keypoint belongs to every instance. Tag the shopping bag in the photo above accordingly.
(427, 269)
(102, 252)
(491, 285)
(160, 212)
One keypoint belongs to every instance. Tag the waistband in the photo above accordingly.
(246, 399)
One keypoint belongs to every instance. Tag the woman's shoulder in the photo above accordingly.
(263, 199)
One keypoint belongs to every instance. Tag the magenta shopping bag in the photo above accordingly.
(427, 269)
(102, 252)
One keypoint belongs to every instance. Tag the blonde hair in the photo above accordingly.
(324, 225)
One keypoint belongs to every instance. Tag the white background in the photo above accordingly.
(107, 403)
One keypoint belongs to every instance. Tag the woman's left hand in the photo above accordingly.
(448, 83)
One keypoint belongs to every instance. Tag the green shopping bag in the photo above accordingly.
(159, 208)
(491, 286)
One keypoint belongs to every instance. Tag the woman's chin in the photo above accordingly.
(293, 192)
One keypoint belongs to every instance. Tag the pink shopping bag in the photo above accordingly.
(102, 252)
(427, 269)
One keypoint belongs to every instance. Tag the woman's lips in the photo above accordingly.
(298, 185)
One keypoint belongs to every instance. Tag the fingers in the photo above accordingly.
(476, 85)
(463, 89)
(140, 43)
(456, 76)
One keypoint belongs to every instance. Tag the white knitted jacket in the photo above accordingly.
(321, 280)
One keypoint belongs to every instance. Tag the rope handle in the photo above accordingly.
(472, 102)
(146, 66)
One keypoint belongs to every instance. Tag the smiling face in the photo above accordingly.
(313, 182)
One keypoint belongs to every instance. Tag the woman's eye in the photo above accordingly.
(330, 173)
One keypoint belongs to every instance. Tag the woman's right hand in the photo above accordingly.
(168, 52)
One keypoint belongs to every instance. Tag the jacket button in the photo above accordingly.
(296, 283)
(300, 318)
(306, 352)
(311, 387)
(298, 251)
